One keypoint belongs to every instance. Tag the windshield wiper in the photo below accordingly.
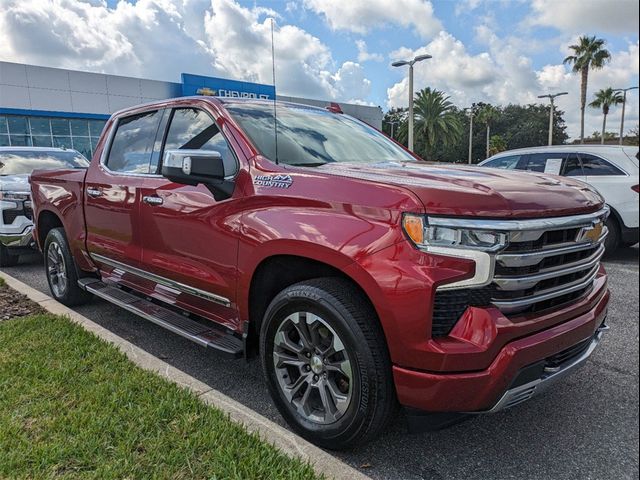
(316, 164)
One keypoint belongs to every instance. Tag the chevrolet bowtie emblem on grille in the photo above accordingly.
(592, 233)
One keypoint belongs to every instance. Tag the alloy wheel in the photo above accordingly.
(313, 368)
(56, 269)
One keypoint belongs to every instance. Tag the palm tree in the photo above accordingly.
(589, 52)
(605, 98)
(435, 122)
(487, 115)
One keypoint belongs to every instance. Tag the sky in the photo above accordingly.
(497, 51)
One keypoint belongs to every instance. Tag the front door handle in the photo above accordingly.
(152, 200)
(94, 192)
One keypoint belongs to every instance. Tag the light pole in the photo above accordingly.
(624, 103)
(551, 97)
(470, 115)
(401, 63)
(392, 124)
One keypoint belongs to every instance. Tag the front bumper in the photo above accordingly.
(545, 375)
(23, 240)
(498, 386)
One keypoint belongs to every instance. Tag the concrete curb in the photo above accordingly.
(288, 442)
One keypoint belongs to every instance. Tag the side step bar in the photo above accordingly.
(166, 318)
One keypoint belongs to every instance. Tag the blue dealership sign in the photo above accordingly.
(222, 87)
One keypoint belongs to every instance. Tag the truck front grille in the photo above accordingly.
(542, 278)
(24, 209)
(539, 270)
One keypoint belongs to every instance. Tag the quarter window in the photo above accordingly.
(572, 167)
(193, 129)
(132, 143)
(594, 166)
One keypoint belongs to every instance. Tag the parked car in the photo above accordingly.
(360, 276)
(612, 170)
(16, 164)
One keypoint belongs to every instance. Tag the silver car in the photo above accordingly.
(16, 222)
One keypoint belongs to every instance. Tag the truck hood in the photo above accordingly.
(482, 192)
(14, 183)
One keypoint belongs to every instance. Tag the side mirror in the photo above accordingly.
(192, 167)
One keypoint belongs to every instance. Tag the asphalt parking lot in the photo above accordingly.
(585, 427)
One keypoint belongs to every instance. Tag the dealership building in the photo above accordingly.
(53, 107)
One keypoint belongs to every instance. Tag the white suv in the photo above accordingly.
(16, 164)
(612, 170)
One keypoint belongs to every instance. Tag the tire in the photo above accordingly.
(6, 258)
(360, 405)
(612, 241)
(61, 271)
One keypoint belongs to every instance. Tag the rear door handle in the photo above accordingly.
(94, 192)
(152, 200)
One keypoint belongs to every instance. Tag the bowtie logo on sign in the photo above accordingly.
(229, 93)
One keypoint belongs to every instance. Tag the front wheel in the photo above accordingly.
(326, 363)
(61, 270)
(7, 259)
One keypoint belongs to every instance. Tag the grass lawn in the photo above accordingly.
(73, 406)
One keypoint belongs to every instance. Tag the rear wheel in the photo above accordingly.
(612, 241)
(7, 259)
(61, 270)
(326, 363)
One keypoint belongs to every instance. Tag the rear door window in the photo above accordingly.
(535, 162)
(597, 167)
(547, 162)
(510, 162)
(133, 142)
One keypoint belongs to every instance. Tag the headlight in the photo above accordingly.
(424, 235)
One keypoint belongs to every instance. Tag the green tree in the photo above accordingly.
(487, 114)
(392, 121)
(588, 53)
(497, 144)
(436, 123)
(605, 98)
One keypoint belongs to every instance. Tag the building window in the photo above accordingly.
(77, 133)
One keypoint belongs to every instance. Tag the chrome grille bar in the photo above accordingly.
(518, 304)
(526, 259)
(529, 281)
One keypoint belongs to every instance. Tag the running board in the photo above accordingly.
(165, 318)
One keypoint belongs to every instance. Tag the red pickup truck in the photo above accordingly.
(362, 277)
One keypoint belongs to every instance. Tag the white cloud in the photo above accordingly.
(452, 69)
(350, 82)
(579, 16)
(362, 16)
(364, 55)
(504, 74)
(466, 6)
(161, 38)
(620, 73)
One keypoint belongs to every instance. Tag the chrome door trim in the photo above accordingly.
(163, 281)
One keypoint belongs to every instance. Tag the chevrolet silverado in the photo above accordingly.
(360, 276)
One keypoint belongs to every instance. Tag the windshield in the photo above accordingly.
(310, 137)
(21, 162)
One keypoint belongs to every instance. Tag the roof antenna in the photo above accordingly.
(275, 109)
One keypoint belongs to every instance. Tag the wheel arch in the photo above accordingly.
(276, 272)
(47, 220)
